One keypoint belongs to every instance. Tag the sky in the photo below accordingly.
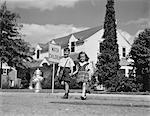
(44, 20)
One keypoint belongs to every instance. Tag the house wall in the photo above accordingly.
(42, 55)
(127, 68)
(91, 45)
(122, 43)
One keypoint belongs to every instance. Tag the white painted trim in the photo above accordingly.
(44, 61)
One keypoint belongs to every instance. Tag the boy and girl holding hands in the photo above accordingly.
(83, 71)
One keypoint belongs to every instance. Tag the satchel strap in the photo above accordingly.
(65, 65)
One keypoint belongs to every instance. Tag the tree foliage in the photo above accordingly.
(108, 60)
(140, 53)
(13, 49)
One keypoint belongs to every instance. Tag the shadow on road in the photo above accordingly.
(100, 104)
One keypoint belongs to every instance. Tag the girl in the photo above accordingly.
(65, 70)
(83, 70)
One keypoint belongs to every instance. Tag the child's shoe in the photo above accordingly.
(88, 91)
(83, 98)
(65, 96)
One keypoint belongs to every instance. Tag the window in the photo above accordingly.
(130, 72)
(4, 71)
(124, 52)
(100, 47)
(38, 54)
(72, 46)
(122, 71)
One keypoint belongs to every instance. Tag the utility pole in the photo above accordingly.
(1, 16)
(0, 57)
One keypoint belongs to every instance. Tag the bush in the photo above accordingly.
(5, 85)
(127, 84)
(46, 83)
(74, 84)
(24, 83)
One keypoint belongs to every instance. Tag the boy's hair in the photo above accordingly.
(86, 57)
(66, 49)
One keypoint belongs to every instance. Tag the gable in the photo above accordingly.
(72, 38)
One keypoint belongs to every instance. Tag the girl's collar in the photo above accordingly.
(66, 57)
(82, 63)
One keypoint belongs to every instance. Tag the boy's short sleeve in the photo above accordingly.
(71, 63)
(60, 62)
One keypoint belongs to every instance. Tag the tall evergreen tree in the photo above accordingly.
(13, 49)
(108, 60)
(140, 53)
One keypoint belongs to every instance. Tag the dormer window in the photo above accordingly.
(100, 47)
(72, 46)
(38, 54)
(4, 72)
(124, 52)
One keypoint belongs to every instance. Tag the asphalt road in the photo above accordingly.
(47, 104)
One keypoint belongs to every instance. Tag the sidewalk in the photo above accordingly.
(144, 98)
(77, 93)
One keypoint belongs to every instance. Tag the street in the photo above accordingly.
(47, 104)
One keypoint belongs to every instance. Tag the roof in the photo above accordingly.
(44, 47)
(63, 41)
(33, 64)
(81, 36)
(38, 63)
(129, 42)
(5, 66)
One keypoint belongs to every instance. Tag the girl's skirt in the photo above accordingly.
(82, 76)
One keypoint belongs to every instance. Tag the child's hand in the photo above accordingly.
(70, 74)
(57, 74)
(62, 82)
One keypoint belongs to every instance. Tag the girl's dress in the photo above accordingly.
(82, 75)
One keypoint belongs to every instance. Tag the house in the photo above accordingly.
(89, 41)
(9, 76)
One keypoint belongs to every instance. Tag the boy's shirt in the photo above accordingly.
(69, 63)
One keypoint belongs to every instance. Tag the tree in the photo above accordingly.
(108, 60)
(140, 53)
(13, 49)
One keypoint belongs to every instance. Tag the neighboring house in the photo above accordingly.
(9, 76)
(89, 41)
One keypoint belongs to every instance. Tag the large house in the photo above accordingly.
(89, 41)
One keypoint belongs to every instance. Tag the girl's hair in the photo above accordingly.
(66, 49)
(86, 57)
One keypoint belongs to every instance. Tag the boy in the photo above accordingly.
(66, 68)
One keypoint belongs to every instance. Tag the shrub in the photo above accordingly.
(46, 83)
(127, 84)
